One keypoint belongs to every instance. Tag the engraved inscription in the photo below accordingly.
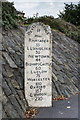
(38, 65)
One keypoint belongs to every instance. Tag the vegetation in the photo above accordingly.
(9, 16)
(71, 13)
(68, 29)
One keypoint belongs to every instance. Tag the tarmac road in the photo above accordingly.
(61, 109)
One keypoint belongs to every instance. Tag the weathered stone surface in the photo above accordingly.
(38, 65)
(6, 87)
(0, 109)
(21, 104)
(9, 60)
(4, 98)
(13, 90)
(15, 84)
(10, 110)
(61, 78)
(9, 71)
(4, 114)
(16, 105)
(11, 50)
(19, 78)
(22, 97)
(0, 79)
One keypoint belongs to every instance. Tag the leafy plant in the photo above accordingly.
(71, 13)
(9, 16)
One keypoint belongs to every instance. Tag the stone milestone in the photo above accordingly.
(38, 65)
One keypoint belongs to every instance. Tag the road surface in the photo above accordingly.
(61, 109)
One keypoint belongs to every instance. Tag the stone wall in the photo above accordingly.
(65, 70)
